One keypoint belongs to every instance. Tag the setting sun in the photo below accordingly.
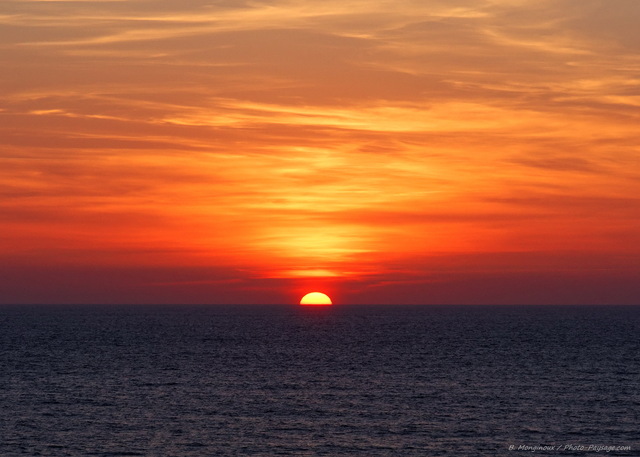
(316, 298)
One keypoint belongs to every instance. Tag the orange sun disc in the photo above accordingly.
(316, 298)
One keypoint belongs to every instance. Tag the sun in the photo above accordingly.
(316, 298)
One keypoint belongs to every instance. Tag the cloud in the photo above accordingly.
(301, 138)
(559, 163)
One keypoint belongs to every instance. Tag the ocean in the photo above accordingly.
(319, 381)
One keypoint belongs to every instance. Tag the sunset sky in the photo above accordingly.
(406, 151)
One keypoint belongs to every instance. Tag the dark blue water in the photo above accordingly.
(305, 381)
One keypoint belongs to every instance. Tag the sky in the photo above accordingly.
(405, 151)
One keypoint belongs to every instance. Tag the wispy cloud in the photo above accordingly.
(314, 139)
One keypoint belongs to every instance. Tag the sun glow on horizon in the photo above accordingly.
(316, 299)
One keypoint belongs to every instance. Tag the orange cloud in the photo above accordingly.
(295, 140)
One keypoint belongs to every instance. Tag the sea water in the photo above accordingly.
(319, 381)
